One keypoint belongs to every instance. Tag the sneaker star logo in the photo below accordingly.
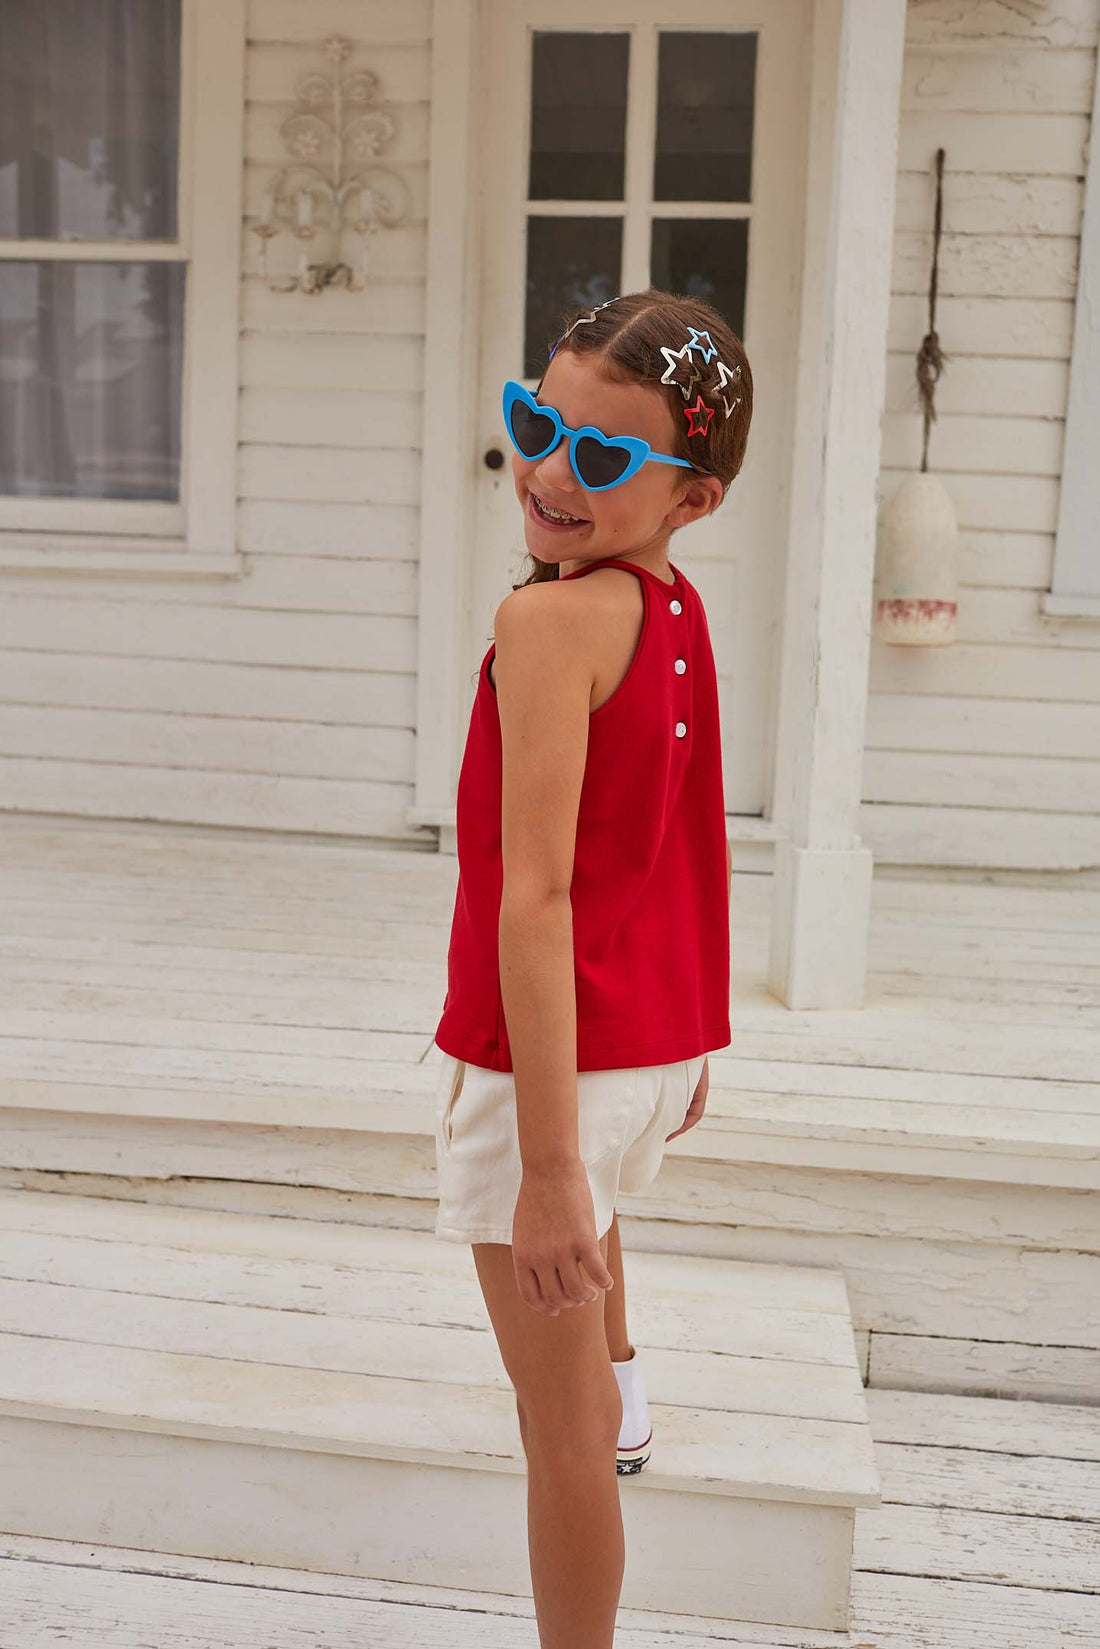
(699, 412)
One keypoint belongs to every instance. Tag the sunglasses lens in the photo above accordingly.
(598, 464)
(532, 431)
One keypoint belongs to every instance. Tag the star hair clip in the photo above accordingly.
(684, 373)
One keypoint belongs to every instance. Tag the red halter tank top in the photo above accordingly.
(650, 887)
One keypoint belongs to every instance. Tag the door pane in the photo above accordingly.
(578, 116)
(704, 258)
(705, 89)
(89, 116)
(90, 361)
(571, 262)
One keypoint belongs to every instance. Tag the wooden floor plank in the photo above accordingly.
(668, 1318)
(1055, 1431)
(1053, 1554)
(285, 976)
(925, 1612)
(176, 1602)
(710, 1451)
(980, 1480)
(181, 1602)
(737, 1284)
(416, 1351)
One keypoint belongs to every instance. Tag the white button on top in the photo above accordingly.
(674, 606)
(680, 666)
(681, 729)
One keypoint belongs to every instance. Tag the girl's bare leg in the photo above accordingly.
(570, 1413)
(614, 1310)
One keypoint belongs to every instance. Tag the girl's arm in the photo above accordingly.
(544, 671)
(544, 688)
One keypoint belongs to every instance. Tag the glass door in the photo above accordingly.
(697, 198)
(626, 145)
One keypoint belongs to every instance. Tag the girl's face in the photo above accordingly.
(642, 512)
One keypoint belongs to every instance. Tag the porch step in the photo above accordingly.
(89, 1108)
(330, 1397)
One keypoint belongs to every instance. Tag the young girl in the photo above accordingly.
(588, 967)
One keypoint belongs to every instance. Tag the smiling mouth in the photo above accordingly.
(560, 518)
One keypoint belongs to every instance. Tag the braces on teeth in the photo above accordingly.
(548, 509)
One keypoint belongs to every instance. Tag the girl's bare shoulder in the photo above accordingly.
(566, 601)
(550, 632)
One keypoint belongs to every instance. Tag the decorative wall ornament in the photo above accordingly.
(334, 134)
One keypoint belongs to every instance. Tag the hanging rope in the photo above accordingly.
(930, 357)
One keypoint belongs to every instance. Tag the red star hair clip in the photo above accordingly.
(704, 414)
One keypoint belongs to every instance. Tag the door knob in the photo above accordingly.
(494, 459)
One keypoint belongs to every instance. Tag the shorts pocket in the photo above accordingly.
(453, 1080)
(605, 1110)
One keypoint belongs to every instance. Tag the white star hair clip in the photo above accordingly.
(677, 359)
(726, 376)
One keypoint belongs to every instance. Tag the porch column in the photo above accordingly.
(822, 881)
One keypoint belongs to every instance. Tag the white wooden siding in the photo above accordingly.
(284, 699)
(986, 751)
(287, 699)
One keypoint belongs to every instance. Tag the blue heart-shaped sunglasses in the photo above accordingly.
(598, 461)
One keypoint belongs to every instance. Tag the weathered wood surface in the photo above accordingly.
(187, 1603)
(255, 1015)
(292, 1379)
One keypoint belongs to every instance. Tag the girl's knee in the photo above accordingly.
(580, 1437)
(572, 1416)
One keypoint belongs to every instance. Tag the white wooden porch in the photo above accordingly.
(990, 1542)
(231, 1023)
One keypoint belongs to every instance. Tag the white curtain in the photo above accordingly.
(90, 350)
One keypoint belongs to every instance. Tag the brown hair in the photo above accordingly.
(627, 336)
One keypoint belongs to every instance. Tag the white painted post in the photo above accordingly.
(822, 883)
(450, 379)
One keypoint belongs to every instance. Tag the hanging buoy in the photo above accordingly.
(916, 579)
(916, 595)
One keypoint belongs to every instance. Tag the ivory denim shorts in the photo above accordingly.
(623, 1118)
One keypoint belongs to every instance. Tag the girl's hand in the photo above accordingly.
(698, 1102)
(554, 1242)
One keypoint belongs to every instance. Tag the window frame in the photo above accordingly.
(1075, 578)
(197, 533)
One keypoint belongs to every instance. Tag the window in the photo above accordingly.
(119, 275)
(634, 147)
(1075, 578)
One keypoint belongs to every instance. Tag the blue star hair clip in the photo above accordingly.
(711, 349)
